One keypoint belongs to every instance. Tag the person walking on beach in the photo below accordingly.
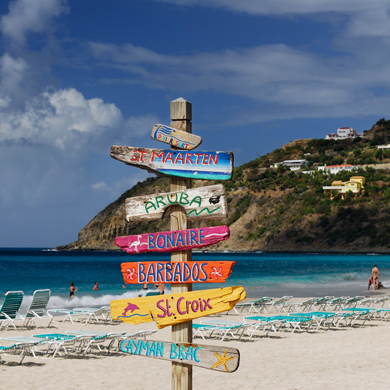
(72, 290)
(375, 276)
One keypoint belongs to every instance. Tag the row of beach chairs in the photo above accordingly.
(49, 345)
(308, 315)
(291, 322)
(10, 314)
(284, 304)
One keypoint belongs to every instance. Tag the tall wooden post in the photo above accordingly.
(181, 115)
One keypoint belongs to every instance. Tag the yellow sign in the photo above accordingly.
(173, 309)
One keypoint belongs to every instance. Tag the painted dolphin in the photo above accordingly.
(130, 307)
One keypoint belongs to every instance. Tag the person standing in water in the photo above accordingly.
(72, 290)
(96, 286)
(375, 276)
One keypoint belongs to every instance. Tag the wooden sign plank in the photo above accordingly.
(174, 240)
(178, 163)
(171, 309)
(176, 272)
(212, 357)
(175, 137)
(199, 204)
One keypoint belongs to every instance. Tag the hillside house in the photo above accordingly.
(344, 133)
(293, 165)
(332, 169)
(355, 184)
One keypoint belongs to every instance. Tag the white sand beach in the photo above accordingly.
(343, 358)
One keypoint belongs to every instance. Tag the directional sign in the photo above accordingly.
(212, 357)
(175, 137)
(179, 163)
(173, 309)
(174, 240)
(176, 271)
(199, 203)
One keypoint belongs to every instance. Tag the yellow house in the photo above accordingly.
(355, 184)
(360, 179)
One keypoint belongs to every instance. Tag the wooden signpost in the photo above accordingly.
(198, 203)
(170, 241)
(180, 163)
(175, 137)
(176, 272)
(171, 309)
(185, 205)
(212, 357)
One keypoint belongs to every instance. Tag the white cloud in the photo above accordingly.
(285, 7)
(30, 16)
(100, 186)
(269, 74)
(63, 118)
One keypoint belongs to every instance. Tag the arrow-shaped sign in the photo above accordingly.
(212, 357)
(175, 137)
(174, 240)
(176, 271)
(173, 309)
(199, 204)
(179, 163)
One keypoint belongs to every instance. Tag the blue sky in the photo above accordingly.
(77, 76)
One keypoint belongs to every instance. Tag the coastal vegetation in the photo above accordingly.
(275, 209)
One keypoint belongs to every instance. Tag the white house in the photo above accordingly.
(294, 165)
(336, 168)
(344, 133)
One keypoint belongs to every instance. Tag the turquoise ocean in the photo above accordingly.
(262, 274)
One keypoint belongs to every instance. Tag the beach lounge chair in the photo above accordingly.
(258, 303)
(320, 303)
(19, 348)
(351, 302)
(225, 327)
(21, 345)
(97, 338)
(308, 304)
(381, 300)
(362, 314)
(288, 322)
(102, 314)
(318, 318)
(336, 303)
(37, 309)
(262, 324)
(277, 304)
(73, 315)
(9, 311)
(60, 342)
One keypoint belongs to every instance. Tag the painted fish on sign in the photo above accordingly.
(199, 204)
(176, 272)
(180, 139)
(172, 309)
(174, 240)
(179, 163)
(212, 357)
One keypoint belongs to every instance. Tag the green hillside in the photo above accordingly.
(280, 210)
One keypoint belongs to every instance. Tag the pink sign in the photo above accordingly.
(175, 240)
